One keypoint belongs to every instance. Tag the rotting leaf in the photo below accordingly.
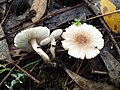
(4, 51)
(113, 20)
(59, 21)
(40, 7)
(112, 65)
(87, 84)
(79, 80)
(16, 52)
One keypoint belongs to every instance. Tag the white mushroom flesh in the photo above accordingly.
(56, 33)
(39, 50)
(29, 39)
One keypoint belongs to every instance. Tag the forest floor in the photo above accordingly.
(21, 70)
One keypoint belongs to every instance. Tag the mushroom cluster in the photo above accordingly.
(51, 39)
(83, 41)
(29, 39)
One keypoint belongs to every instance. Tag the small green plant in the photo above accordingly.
(3, 68)
(31, 63)
(76, 22)
(17, 79)
(17, 76)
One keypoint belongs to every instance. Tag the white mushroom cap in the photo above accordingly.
(45, 41)
(51, 39)
(55, 34)
(22, 39)
(84, 41)
(29, 39)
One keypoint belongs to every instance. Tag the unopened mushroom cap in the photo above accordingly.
(56, 33)
(45, 41)
(22, 39)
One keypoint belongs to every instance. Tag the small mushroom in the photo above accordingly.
(45, 41)
(56, 33)
(52, 47)
(51, 39)
(29, 39)
(82, 41)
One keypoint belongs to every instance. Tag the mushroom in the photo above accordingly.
(51, 39)
(84, 41)
(29, 39)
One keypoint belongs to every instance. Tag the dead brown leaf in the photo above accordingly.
(113, 66)
(87, 84)
(40, 7)
(16, 52)
(4, 51)
(112, 20)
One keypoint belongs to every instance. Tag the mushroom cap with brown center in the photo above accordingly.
(84, 41)
(22, 39)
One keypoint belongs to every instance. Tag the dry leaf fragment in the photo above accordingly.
(113, 20)
(113, 66)
(16, 52)
(40, 7)
(87, 84)
(4, 51)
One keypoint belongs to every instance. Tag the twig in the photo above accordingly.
(7, 75)
(6, 15)
(106, 27)
(34, 67)
(113, 66)
(103, 15)
(29, 75)
(21, 59)
(87, 84)
(85, 67)
(45, 17)
(10, 71)
(78, 64)
(98, 72)
(72, 68)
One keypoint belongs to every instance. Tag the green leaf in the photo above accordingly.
(31, 63)
(76, 22)
(14, 82)
(4, 69)
(17, 76)
(14, 75)
(20, 75)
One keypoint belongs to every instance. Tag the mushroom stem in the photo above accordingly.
(39, 51)
(52, 48)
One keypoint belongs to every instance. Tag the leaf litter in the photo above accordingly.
(50, 75)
